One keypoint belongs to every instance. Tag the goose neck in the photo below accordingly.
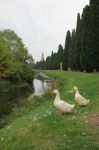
(57, 97)
(77, 92)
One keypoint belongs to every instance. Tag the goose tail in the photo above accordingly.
(88, 101)
(73, 106)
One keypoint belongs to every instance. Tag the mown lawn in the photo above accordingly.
(38, 126)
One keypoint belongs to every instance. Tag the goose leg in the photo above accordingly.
(61, 113)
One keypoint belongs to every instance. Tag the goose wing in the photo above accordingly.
(81, 98)
(63, 105)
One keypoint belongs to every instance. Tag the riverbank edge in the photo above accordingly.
(28, 105)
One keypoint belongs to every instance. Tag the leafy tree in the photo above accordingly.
(6, 57)
(13, 56)
(16, 70)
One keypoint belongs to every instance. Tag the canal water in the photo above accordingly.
(40, 87)
(11, 98)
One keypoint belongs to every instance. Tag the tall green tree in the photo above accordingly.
(60, 54)
(48, 62)
(72, 50)
(53, 61)
(86, 39)
(81, 51)
(90, 37)
(78, 43)
(66, 51)
(94, 50)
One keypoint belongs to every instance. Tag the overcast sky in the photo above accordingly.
(42, 24)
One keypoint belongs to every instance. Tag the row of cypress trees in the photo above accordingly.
(81, 50)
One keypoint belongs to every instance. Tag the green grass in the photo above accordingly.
(38, 126)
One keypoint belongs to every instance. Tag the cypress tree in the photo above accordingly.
(94, 2)
(66, 51)
(90, 37)
(85, 39)
(55, 61)
(78, 43)
(60, 55)
(94, 11)
(48, 61)
(72, 50)
(52, 61)
(81, 51)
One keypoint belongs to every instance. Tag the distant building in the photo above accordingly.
(42, 57)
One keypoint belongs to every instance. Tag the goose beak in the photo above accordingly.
(53, 93)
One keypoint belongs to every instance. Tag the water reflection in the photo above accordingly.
(38, 87)
(41, 86)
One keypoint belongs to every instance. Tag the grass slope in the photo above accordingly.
(38, 126)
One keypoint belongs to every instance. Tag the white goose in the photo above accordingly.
(61, 106)
(81, 101)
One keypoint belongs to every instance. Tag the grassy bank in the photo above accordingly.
(38, 126)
